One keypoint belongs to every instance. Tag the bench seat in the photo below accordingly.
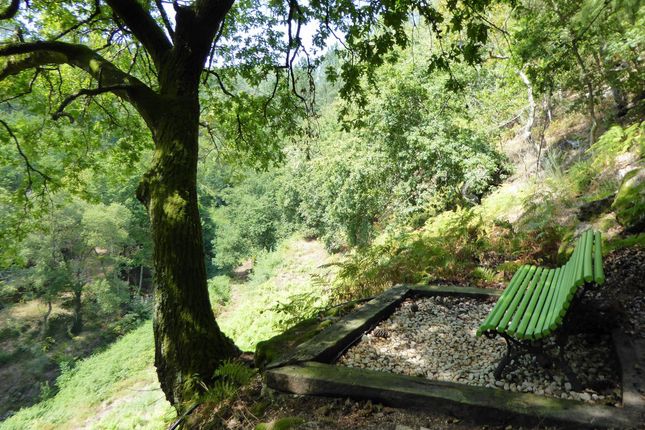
(536, 300)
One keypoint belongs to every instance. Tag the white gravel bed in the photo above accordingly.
(435, 338)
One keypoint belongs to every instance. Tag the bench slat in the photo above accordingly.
(599, 274)
(550, 304)
(526, 298)
(579, 278)
(567, 282)
(543, 305)
(588, 272)
(505, 299)
(531, 310)
(516, 300)
(569, 291)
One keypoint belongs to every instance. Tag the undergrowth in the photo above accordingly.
(530, 221)
(121, 382)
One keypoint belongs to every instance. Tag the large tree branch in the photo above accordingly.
(208, 20)
(164, 18)
(143, 27)
(29, 55)
(213, 10)
(10, 11)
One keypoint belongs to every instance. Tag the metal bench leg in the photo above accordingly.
(502, 365)
(505, 360)
(575, 384)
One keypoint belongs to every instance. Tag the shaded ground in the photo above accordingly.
(621, 300)
(320, 413)
(29, 361)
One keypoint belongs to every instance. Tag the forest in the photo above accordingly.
(191, 190)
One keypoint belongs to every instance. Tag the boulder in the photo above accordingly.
(629, 204)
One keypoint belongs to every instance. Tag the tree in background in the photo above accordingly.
(76, 244)
(581, 46)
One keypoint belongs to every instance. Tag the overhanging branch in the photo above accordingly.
(11, 10)
(143, 27)
(30, 55)
(24, 93)
(164, 17)
(86, 92)
(220, 83)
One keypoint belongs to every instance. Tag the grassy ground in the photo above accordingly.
(118, 388)
(30, 358)
(278, 292)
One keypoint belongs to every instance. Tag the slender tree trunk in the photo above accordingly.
(530, 120)
(43, 331)
(586, 78)
(546, 106)
(188, 342)
(77, 323)
(140, 281)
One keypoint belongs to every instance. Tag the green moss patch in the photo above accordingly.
(629, 204)
(274, 348)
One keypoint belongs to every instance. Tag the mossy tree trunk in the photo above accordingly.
(188, 342)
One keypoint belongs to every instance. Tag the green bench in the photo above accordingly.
(537, 302)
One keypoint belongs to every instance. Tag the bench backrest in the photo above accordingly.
(536, 300)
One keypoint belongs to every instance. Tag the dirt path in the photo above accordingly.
(302, 255)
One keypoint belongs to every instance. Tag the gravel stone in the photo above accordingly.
(438, 342)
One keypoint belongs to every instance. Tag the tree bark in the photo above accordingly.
(140, 281)
(188, 342)
(530, 120)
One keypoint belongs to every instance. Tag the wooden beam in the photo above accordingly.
(312, 378)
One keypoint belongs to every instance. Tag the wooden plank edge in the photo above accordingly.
(449, 290)
(339, 336)
(320, 379)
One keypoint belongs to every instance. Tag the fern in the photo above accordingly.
(233, 372)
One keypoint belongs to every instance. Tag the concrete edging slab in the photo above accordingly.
(321, 379)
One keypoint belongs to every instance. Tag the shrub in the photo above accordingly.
(219, 290)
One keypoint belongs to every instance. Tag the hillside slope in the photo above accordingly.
(118, 388)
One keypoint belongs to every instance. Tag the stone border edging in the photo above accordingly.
(330, 342)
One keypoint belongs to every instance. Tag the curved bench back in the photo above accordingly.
(537, 299)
